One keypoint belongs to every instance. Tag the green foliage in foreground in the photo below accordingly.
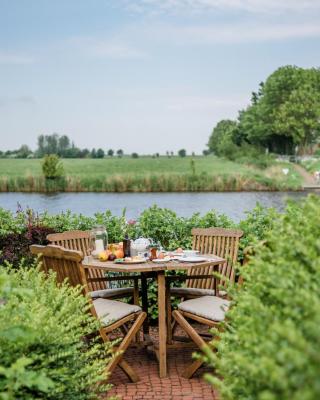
(270, 347)
(45, 352)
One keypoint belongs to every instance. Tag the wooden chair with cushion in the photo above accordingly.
(67, 264)
(200, 280)
(206, 310)
(80, 241)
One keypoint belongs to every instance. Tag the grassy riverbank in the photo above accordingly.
(146, 174)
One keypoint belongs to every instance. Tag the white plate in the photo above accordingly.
(161, 260)
(191, 253)
(186, 253)
(192, 259)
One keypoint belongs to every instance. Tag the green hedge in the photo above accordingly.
(270, 347)
(45, 351)
(162, 224)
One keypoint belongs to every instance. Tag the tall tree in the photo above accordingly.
(222, 136)
(63, 145)
(119, 153)
(100, 153)
(285, 111)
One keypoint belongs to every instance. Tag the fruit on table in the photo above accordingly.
(119, 253)
(103, 256)
(112, 257)
(161, 256)
(179, 250)
(115, 246)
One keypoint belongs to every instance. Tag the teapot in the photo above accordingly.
(140, 245)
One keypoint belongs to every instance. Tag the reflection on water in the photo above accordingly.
(232, 204)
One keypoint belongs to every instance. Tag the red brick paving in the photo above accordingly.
(151, 387)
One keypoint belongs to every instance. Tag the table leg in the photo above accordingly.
(215, 281)
(144, 296)
(162, 325)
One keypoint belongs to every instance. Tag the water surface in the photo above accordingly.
(233, 204)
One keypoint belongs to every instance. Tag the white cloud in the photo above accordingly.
(198, 6)
(238, 33)
(7, 58)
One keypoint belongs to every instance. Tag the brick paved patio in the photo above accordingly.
(151, 387)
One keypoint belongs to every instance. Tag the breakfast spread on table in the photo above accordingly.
(136, 251)
(115, 253)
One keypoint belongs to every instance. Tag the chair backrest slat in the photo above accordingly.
(65, 263)
(80, 241)
(218, 241)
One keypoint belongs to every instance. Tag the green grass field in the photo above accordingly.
(146, 174)
(124, 166)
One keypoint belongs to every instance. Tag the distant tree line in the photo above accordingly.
(63, 147)
(283, 117)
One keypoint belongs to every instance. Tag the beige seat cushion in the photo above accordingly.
(209, 307)
(186, 291)
(110, 311)
(108, 293)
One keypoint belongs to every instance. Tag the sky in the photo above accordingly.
(145, 76)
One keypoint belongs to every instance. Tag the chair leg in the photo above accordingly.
(136, 302)
(129, 371)
(126, 342)
(169, 315)
(195, 337)
(136, 292)
(192, 369)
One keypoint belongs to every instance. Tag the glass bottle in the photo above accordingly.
(126, 246)
(98, 239)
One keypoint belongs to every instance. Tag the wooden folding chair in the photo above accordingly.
(200, 280)
(207, 310)
(80, 241)
(112, 314)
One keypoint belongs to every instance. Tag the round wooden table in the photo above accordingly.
(157, 270)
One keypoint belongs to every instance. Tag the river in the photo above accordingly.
(233, 204)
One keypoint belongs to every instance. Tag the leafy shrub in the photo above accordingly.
(43, 351)
(255, 156)
(269, 349)
(10, 223)
(52, 167)
(24, 230)
(255, 227)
